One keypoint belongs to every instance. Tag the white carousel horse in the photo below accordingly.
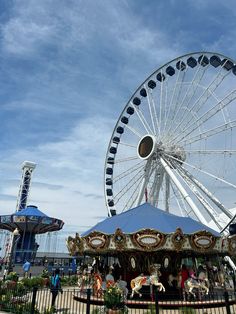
(191, 284)
(137, 283)
(84, 280)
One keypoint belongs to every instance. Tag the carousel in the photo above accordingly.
(146, 244)
(169, 180)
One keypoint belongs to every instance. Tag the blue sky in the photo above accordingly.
(67, 70)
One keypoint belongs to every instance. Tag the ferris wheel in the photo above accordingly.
(174, 144)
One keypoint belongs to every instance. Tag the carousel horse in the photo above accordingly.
(200, 285)
(97, 285)
(83, 280)
(80, 281)
(137, 283)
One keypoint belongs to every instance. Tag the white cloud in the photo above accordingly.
(76, 165)
(23, 36)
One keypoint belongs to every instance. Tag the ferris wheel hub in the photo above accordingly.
(148, 147)
(177, 152)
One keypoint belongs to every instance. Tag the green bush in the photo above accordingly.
(69, 281)
(12, 276)
(5, 301)
(32, 282)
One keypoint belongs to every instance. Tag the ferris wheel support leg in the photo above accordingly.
(144, 182)
(154, 193)
(167, 196)
(183, 192)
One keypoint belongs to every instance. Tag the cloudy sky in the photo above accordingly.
(68, 68)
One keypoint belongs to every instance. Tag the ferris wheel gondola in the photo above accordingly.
(174, 144)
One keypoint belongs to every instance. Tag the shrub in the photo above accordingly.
(13, 276)
(69, 281)
(113, 298)
(33, 282)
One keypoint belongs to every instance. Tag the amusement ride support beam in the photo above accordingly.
(205, 190)
(23, 194)
(144, 182)
(167, 196)
(210, 210)
(209, 194)
(27, 168)
(154, 193)
(185, 195)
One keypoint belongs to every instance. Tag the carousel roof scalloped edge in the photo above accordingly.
(149, 229)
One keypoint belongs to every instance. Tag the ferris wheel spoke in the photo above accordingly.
(123, 174)
(175, 96)
(168, 117)
(190, 92)
(167, 108)
(127, 144)
(211, 151)
(184, 104)
(161, 101)
(133, 131)
(205, 135)
(132, 199)
(203, 171)
(152, 111)
(142, 119)
(207, 115)
(183, 209)
(207, 193)
(118, 161)
(206, 205)
(207, 93)
(182, 190)
(199, 103)
(125, 189)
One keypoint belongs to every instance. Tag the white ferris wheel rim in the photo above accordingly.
(198, 63)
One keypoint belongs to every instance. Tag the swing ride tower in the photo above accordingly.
(26, 223)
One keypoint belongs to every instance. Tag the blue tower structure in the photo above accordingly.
(27, 169)
(25, 223)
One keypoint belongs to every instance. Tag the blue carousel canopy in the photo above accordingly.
(147, 216)
(30, 219)
(30, 210)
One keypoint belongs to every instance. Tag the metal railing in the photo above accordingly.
(72, 300)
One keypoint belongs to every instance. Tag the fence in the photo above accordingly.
(73, 301)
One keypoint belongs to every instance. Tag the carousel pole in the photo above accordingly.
(15, 238)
